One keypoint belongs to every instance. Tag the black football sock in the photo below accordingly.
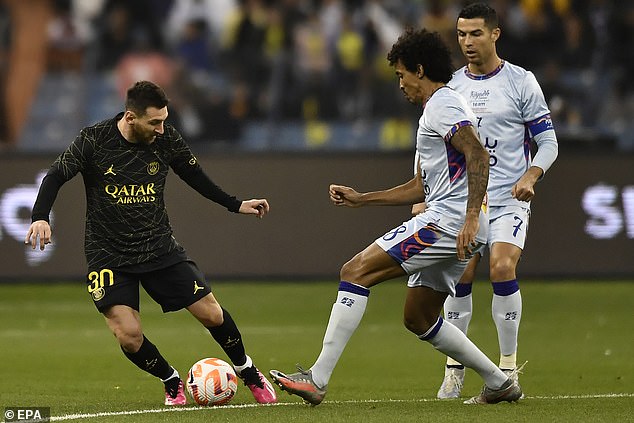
(150, 360)
(228, 337)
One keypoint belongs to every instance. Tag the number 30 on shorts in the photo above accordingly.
(100, 279)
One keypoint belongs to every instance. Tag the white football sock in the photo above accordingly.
(246, 365)
(174, 374)
(458, 311)
(449, 340)
(345, 317)
(507, 313)
(508, 362)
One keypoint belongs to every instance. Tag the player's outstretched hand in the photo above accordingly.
(465, 242)
(256, 207)
(341, 195)
(39, 231)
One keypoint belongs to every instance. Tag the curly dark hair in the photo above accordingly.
(145, 94)
(425, 48)
(480, 10)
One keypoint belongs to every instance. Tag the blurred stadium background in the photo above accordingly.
(279, 98)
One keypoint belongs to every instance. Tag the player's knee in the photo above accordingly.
(410, 325)
(130, 338)
(212, 316)
(502, 270)
(417, 324)
(350, 270)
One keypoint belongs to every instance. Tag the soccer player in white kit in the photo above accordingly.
(437, 243)
(511, 110)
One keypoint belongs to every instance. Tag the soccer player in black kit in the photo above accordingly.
(128, 238)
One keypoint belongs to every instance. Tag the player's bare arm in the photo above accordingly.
(418, 208)
(466, 141)
(40, 230)
(524, 189)
(258, 207)
(410, 192)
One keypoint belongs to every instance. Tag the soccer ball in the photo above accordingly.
(211, 381)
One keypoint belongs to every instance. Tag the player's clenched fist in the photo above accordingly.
(342, 195)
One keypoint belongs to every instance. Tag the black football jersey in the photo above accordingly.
(126, 219)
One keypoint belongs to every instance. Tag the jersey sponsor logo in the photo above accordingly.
(110, 171)
(131, 193)
(480, 98)
(153, 168)
(490, 146)
(426, 188)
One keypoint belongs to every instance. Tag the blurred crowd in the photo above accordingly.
(228, 62)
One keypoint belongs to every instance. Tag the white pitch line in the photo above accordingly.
(82, 416)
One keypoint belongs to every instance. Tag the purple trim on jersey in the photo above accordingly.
(463, 289)
(539, 125)
(455, 159)
(482, 77)
(505, 289)
(414, 244)
(430, 334)
(527, 144)
(354, 289)
(456, 162)
(455, 128)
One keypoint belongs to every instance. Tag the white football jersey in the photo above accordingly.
(510, 109)
(443, 168)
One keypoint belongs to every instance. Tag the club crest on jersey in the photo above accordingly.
(98, 294)
(192, 161)
(153, 168)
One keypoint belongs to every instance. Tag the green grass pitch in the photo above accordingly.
(56, 351)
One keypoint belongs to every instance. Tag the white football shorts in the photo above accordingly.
(508, 224)
(426, 253)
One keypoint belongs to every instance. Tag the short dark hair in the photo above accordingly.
(144, 94)
(425, 48)
(480, 10)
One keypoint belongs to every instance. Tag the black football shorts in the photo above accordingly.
(173, 288)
